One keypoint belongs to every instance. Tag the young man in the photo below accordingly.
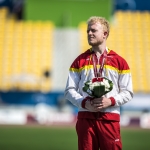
(98, 119)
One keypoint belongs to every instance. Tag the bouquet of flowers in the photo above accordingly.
(98, 87)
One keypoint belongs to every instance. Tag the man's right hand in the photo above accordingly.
(89, 106)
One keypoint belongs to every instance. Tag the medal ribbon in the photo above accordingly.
(98, 72)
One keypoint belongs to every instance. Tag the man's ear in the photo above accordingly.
(105, 34)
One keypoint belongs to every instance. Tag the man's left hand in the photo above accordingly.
(101, 103)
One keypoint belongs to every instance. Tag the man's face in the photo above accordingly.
(95, 34)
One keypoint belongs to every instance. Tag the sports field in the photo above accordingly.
(62, 138)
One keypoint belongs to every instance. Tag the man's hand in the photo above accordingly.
(100, 103)
(89, 106)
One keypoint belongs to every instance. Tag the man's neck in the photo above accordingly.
(99, 50)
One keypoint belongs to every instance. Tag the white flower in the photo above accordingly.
(98, 86)
(107, 85)
(92, 85)
(104, 82)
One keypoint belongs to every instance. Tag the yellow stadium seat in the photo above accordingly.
(130, 36)
(26, 52)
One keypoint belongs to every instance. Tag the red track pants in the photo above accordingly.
(95, 134)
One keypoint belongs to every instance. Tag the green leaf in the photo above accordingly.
(99, 91)
(85, 88)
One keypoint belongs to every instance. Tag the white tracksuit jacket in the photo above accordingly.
(115, 68)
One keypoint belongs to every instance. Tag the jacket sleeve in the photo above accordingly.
(125, 93)
(71, 90)
(72, 86)
(125, 90)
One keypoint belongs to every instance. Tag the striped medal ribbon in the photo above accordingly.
(98, 71)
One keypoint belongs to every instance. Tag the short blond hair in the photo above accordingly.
(102, 21)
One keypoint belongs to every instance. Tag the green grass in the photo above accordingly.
(136, 139)
(59, 138)
(37, 138)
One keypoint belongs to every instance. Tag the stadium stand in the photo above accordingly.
(130, 37)
(25, 54)
(26, 50)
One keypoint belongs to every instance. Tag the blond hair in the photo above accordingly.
(102, 21)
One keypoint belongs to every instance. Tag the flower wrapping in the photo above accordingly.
(97, 87)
